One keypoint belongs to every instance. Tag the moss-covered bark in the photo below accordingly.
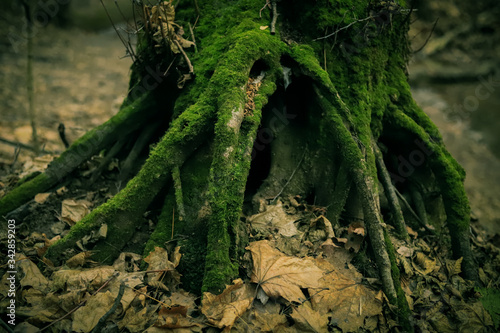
(349, 91)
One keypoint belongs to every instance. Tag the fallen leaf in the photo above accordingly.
(280, 275)
(454, 267)
(342, 293)
(275, 217)
(73, 211)
(78, 260)
(424, 265)
(41, 197)
(31, 275)
(223, 310)
(405, 251)
(308, 320)
(86, 317)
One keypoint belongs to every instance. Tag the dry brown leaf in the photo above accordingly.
(174, 318)
(355, 236)
(60, 191)
(41, 197)
(411, 232)
(324, 224)
(309, 320)
(454, 267)
(268, 318)
(159, 285)
(44, 309)
(86, 317)
(223, 310)
(135, 320)
(78, 260)
(424, 265)
(73, 279)
(38, 164)
(342, 293)
(280, 275)
(275, 217)
(158, 260)
(405, 251)
(127, 262)
(264, 27)
(31, 275)
(73, 211)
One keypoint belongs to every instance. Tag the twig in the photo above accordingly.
(191, 69)
(22, 145)
(268, 4)
(115, 149)
(192, 36)
(289, 179)
(428, 37)
(131, 52)
(16, 156)
(82, 303)
(197, 8)
(61, 129)
(412, 212)
(103, 319)
(343, 28)
(275, 17)
(29, 78)
(173, 221)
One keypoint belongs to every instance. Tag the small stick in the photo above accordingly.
(173, 221)
(16, 155)
(61, 129)
(343, 28)
(22, 145)
(289, 179)
(191, 69)
(192, 36)
(268, 4)
(29, 78)
(275, 17)
(83, 302)
(103, 319)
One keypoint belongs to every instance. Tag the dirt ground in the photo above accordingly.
(80, 80)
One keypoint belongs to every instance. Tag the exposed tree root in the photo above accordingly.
(179, 197)
(450, 177)
(142, 141)
(105, 161)
(390, 192)
(124, 211)
(202, 163)
(131, 117)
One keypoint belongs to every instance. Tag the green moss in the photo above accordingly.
(404, 312)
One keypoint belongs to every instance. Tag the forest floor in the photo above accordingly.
(80, 80)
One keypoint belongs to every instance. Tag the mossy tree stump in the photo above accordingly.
(335, 130)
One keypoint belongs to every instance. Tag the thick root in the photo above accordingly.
(124, 211)
(449, 176)
(130, 118)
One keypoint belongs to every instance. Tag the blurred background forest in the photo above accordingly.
(81, 70)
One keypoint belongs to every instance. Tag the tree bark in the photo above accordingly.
(233, 109)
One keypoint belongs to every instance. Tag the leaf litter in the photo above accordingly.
(303, 275)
